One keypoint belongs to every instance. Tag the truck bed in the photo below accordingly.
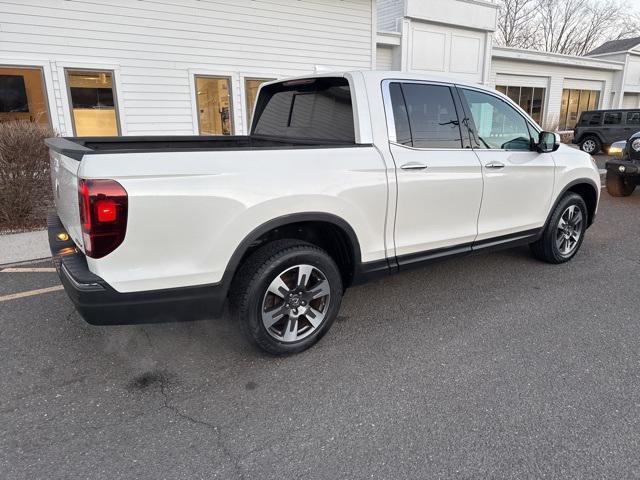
(77, 147)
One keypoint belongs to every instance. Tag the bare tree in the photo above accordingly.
(561, 21)
(628, 25)
(563, 26)
(515, 27)
(598, 26)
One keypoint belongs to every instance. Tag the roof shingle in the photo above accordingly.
(616, 46)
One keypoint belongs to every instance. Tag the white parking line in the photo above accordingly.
(27, 270)
(30, 293)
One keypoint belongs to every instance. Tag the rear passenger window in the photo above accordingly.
(431, 114)
(612, 118)
(400, 117)
(633, 118)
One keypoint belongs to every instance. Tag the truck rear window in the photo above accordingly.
(317, 109)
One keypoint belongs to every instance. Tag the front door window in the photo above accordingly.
(498, 125)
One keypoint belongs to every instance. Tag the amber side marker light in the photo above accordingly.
(63, 237)
(67, 251)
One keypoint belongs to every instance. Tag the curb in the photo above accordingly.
(24, 247)
(24, 262)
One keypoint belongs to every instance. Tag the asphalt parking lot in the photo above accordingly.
(493, 366)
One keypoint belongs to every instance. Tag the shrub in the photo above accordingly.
(25, 185)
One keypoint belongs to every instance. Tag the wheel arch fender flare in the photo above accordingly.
(284, 220)
(590, 133)
(578, 181)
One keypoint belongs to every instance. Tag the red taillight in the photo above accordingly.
(107, 210)
(103, 215)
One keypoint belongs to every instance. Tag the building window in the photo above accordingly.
(93, 103)
(251, 86)
(574, 102)
(530, 99)
(213, 96)
(22, 95)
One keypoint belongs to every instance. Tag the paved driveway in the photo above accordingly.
(493, 366)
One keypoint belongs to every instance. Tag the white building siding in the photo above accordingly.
(156, 46)
(631, 100)
(442, 49)
(632, 77)
(385, 58)
(389, 12)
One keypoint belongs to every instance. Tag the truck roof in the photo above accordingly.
(380, 75)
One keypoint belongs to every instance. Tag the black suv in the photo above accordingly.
(598, 128)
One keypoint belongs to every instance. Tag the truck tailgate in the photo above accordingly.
(64, 179)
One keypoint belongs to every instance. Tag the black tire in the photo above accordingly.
(546, 247)
(591, 144)
(252, 281)
(617, 186)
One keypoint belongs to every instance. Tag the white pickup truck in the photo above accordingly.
(344, 178)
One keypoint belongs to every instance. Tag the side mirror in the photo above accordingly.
(617, 148)
(548, 142)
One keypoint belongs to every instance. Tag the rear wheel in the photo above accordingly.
(590, 145)
(287, 295)
(618, 186)
(563, 235)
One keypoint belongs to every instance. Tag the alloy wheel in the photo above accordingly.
(569, 230)
(295, 303)
(589, 146)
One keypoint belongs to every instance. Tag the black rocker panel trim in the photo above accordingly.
(496, 243)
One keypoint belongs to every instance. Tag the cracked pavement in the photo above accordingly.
(491, 366)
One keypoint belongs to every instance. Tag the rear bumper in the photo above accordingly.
(100, 304)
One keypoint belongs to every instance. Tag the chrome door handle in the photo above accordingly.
(494, 165)
(413, 166)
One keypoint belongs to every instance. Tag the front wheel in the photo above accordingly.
(563, 235)
(617, 186)
(287, 295)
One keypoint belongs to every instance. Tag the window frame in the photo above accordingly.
(116, 103)
(531, 126)
(391, 124)
(232, 118)
(43, 77)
